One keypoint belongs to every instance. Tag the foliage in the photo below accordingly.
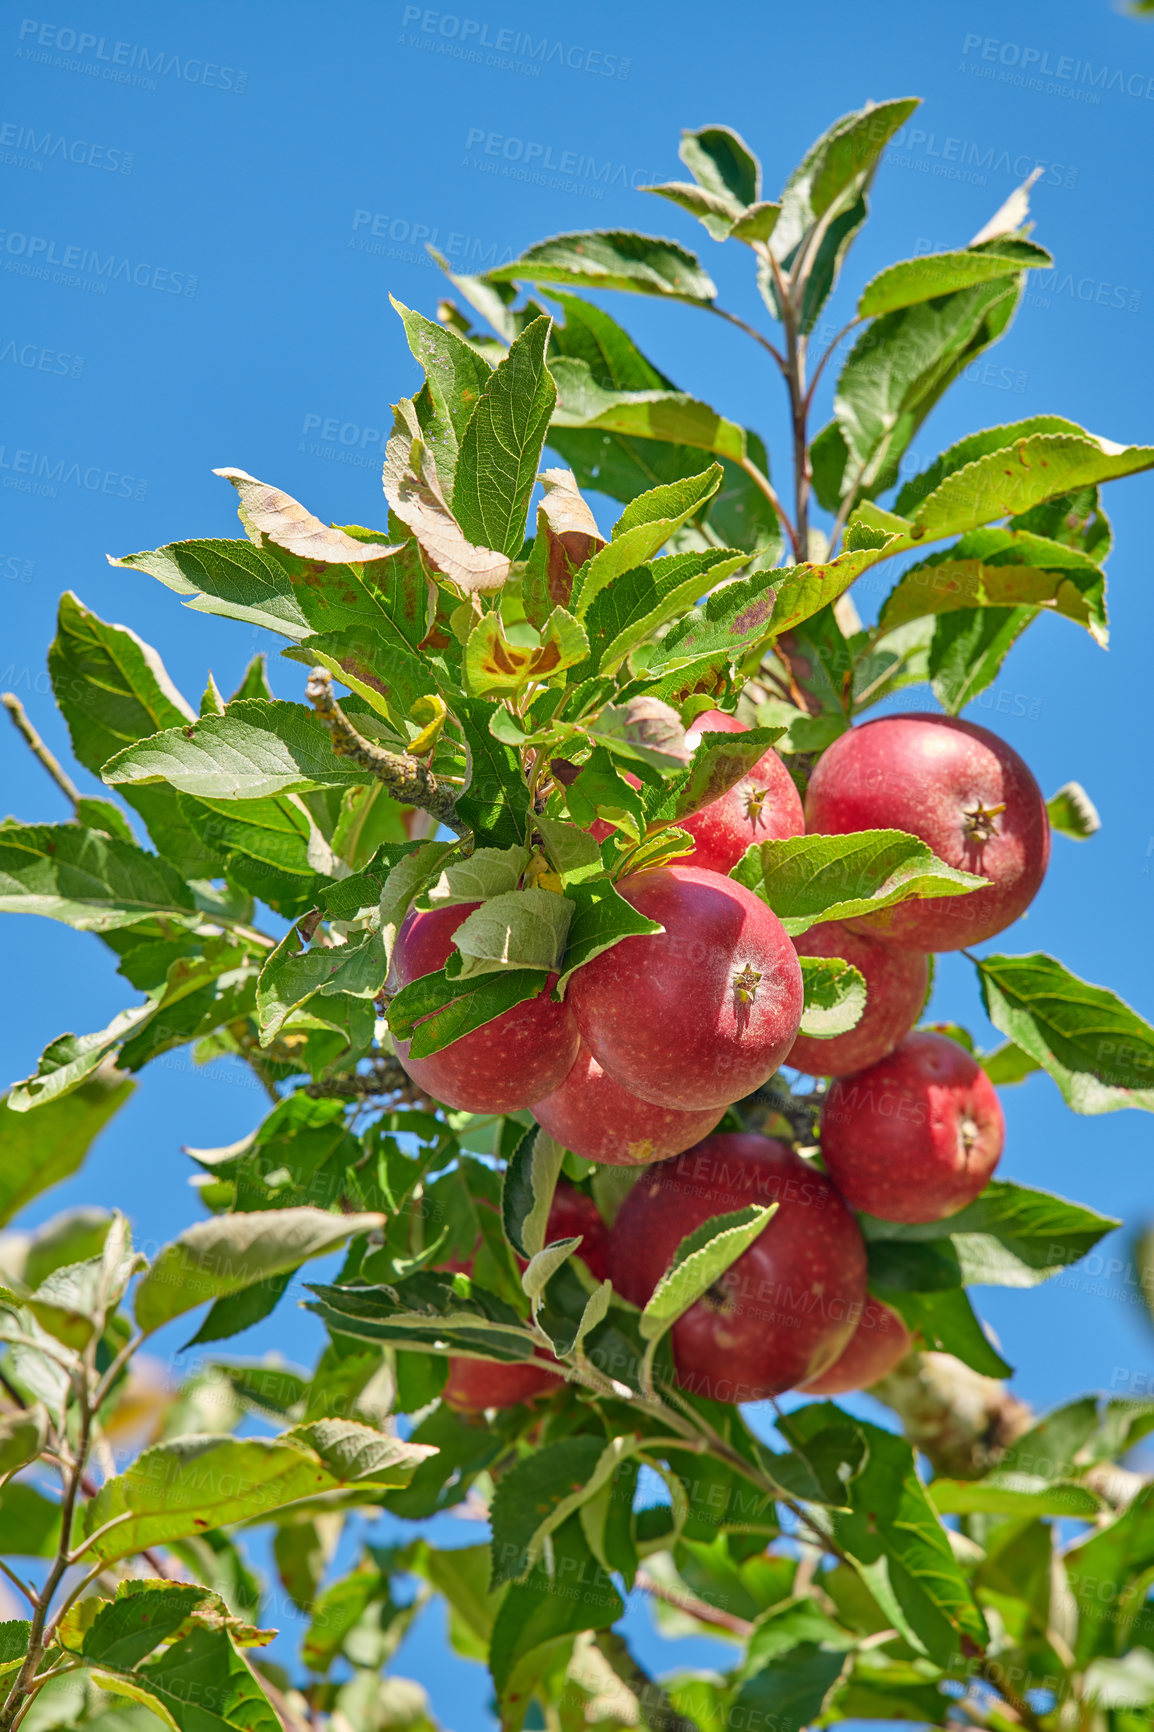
(512, 675)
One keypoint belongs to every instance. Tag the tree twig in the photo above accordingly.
(386, 1077)
(49, 760)
(699, 1609)
(750, 331)
(404, 777)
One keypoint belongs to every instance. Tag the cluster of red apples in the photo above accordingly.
(659, 1035)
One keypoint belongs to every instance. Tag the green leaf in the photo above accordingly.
(71, 1061)
(527, 1190)
(835, 996)
(933, 274)
(702, 1258)
(495, 804)
(292, 975)
(642, 600)
(719, 762)
(730, 622)
(372, 663)
(408, 874)
(1013, 1494)
(38, 1153)
(806, 879)
(968, 648)
(1073, 813)
(946, 1322)
(1098, 1050)
(989, 442)
(642, 530)
(23, 1437)
(213, 1258)
(600, 920)
(536, 1496)
(898, 369)
(790, 1689)
(199, 1684)
(671, 417)
(85, 878)
(1115, 1555)
(232, 578)
(836, 169)
(193, 1483)
(29, 1524)
(500, 450)
(143, 1614)
(545, 1608)
(256, 750)
(112, 687)
(893, 1537)
(427, 1313)
(717, 212)
(486, 872)
(804, 589)
(440, 1011)
(612, 259)
(522, 929)
(456, 376)
(1010, 1236)
(720, 160)
(254, 680)
(1022, 473)
(1002, 568)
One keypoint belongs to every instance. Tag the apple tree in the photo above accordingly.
(578, 923)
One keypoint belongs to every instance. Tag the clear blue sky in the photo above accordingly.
(263, 176)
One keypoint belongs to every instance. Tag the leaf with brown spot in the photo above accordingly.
(414, 491)
(281, 519)
(567, 536)
(494, 665)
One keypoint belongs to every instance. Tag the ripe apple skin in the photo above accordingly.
(896, 985)
(788, 1306)
(501, 1067)
(764, 805)
(880, 1341)
(940, 779)
(601, 1121)
(702, 1013)
(916, 1136)
(474, 1384)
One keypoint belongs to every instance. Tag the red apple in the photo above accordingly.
(965, 792)
(786, 1309)
(573, 1212)
(700, 1014)
(506, 1064)
(878, 1343)
(600, 1120)
(915, 1137)
(763, 805)
(474, 1384)
(896, 985)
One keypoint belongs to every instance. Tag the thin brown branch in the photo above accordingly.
(750, 331)
(820, 368)
(699, 1609)
(49, 760)
(386, 1077)
(766, 486)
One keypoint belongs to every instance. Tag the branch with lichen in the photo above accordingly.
(404, 777)
(386, 1076)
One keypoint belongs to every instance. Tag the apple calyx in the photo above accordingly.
(980, 823)
(745, 985)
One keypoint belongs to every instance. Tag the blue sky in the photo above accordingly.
(263, 178)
